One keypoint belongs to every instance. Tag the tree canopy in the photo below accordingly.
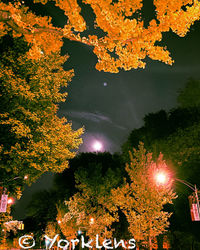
(176, 134)
(91, 208)
(142, 199)
(33, 138)
(123, 40)
(189, 97)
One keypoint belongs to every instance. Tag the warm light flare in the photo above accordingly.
(10, 201)
(161, 178)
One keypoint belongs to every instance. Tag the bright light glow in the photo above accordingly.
(91, 220)
(10, 201)
(25, 177)
(79, 232)
(59, 221)
(161, 178)
(97, 146)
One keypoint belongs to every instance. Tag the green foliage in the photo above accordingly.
(95, 176)
(91, 176)
(40, 208)
(176, 135)
(190, 95)
(164, 132)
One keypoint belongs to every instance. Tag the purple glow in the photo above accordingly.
(97, 146)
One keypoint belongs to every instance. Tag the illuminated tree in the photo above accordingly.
(4, 217)
(142, 200)
(50, 230)
(33, 139)
(91, 209)
(125, 39)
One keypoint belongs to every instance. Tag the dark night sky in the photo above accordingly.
(109, 113)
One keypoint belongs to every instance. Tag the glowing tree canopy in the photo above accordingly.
(33, 139)
(124, 41)
(142, 198)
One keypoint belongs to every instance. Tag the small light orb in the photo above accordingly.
(59, 221)
(25, 177)
(105, 84)
(10, 201)
(92, 220)
(97, 146)
(79, 232)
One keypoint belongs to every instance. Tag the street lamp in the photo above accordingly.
(162, 178)
(10, 201)
(15, 178)
(194, 188)
(4, 200)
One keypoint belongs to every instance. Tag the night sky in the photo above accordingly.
(110, 106)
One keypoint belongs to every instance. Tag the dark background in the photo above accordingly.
(110, 106)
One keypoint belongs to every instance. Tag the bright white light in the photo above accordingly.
(97, 146)
(10, 201)
(92, 220)
(105, 84)
(59, 221)
(79, 232)
(161, 178)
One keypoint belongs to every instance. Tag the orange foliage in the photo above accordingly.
(38, 140)
(125, 36)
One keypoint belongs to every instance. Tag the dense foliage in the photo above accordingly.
(124, 39)
(142, 199)
(33, 139)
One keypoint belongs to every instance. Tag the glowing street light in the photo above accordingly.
(161, 178)
(25, 177)
(10, 201)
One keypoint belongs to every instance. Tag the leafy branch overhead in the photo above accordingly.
(125, 42)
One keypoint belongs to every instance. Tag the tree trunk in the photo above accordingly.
(150, 243)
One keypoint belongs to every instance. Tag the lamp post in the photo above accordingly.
(162, 178)
(4, 200)
(194, 188)
(15, 178)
